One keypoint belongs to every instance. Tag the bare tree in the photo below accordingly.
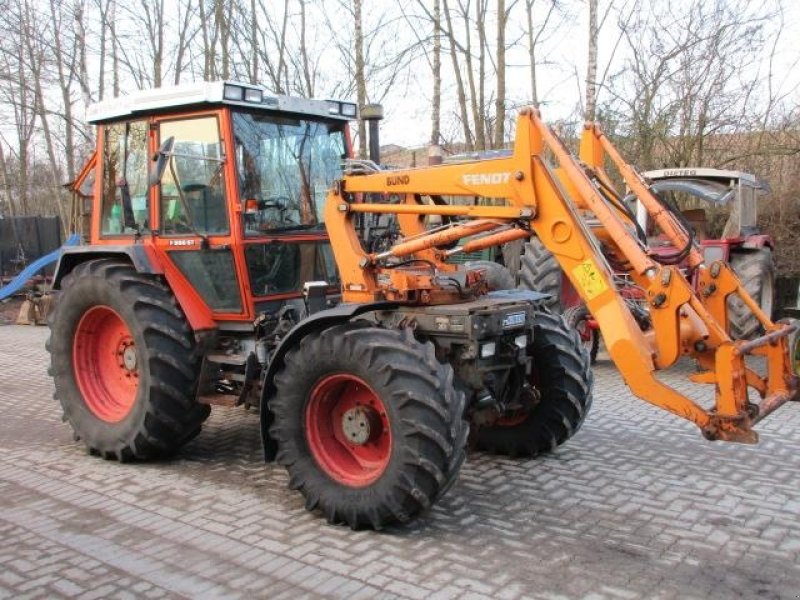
(534, 33)
(683, 80)
(436, 72)
(590, 112)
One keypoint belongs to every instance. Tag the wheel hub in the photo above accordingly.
(360, 424)
(128, 353)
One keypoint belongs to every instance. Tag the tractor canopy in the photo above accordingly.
(157, 101)
(709, 196)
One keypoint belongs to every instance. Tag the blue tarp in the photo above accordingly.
(24, 276)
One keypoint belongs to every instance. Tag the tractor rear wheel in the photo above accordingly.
(368, 424)
(756, 271)
(124, 363)
(563, 376)
(578, 317)
(539, 271)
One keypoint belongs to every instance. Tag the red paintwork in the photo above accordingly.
(759, 241)
(350, 464)
(108, 388)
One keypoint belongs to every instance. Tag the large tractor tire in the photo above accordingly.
(368, 424)
(578, 317)
(539, 271)
(756, 271)
(497, 276)
(124, 363)
(563, 376)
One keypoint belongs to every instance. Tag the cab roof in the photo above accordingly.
(231, 93)
(720, 175)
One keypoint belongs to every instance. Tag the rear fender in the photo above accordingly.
(145, 260)
(141, 257)
(316, 322)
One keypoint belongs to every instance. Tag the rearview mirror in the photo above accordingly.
(161, 159)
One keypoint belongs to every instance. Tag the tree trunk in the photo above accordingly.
(361, 84)
(12, 210)
(254, 41)
(531, 52)
(307, 78)
(436, 101)
(591, 67)
(102, 7)
(500, 98)
(462, 96)
(112, 30)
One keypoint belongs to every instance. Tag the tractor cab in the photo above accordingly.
(221, 187)
(720, 206)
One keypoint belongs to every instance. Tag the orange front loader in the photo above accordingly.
(684, 323)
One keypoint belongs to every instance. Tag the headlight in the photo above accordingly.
(521, 341)
(251, 95)
(488, 350)
(349, 110)
(233, 92)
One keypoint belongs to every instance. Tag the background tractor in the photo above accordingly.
(722, 209)
(719, 207)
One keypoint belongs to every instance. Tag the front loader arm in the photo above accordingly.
(537, 202)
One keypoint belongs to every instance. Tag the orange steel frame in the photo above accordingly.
(548, 203)
(159, 247)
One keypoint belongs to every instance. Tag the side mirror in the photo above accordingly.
(161, 160)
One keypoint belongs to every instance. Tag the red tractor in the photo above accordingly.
(713, 195)
(208, 278)
(711, 199)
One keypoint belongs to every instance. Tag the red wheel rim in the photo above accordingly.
(347, 429)
(106, 364)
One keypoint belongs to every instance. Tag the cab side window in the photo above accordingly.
(192, 187)
(125, 155)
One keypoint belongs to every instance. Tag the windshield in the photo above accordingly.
(285, 167)
(707, 191)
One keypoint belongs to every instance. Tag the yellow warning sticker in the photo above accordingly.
(589, 279)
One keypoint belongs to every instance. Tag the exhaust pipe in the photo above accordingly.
(372, 114)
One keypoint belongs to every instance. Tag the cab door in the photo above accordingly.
(195, 229)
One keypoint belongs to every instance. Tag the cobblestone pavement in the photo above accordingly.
(637, 505)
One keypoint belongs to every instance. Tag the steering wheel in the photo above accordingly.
(194, 187)
(281, 203)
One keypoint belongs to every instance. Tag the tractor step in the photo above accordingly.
(218, 399)
(228, 359)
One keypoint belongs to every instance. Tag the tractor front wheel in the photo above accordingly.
(368, 424)
(563, 377)
(124, 363)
